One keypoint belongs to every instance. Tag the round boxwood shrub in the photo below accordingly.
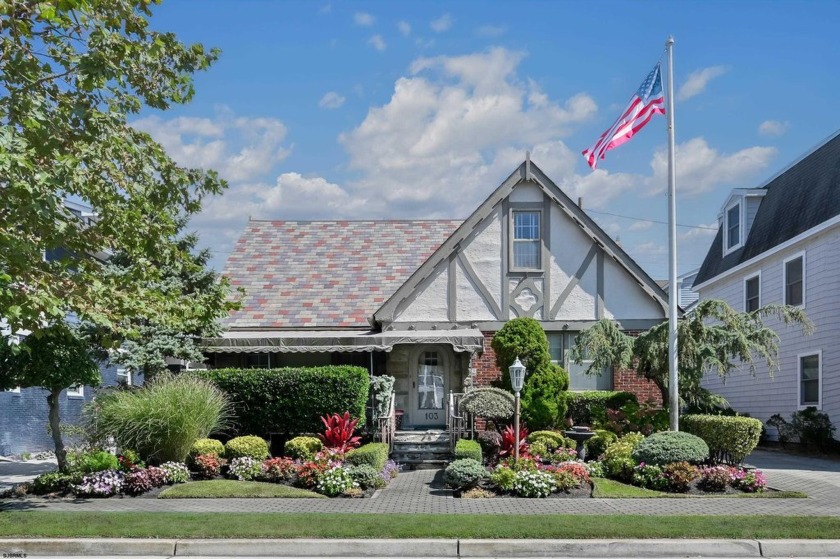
(670, 446)
(464, 473)
(494, 404)
(250, 446)
(303, 448)
(730, 439)
(207, 446)
(551, 439)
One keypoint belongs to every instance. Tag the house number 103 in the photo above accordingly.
(431, 415)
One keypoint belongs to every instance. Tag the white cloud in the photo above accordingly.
(698, 80)
(773, 128)
(640, 226)
(331, 100)
(404, 27)
(441, 24)
(364, 19)
(701, 232)
(700, 167)
(377, 42)
(491, 30)
(239, 148)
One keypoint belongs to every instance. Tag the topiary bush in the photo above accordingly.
(730, 439)
(551, 439)
(490, 403)
(163, 419)
(372, 454)
(249, 446)
(523, 338)
(464, 473)
(597, 445)
(543, 397)
(585, 407)
(671, 446)
(303, 448)
(466, 448)
(207, 446)
(291, 400)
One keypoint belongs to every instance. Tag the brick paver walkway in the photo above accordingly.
(422, 492)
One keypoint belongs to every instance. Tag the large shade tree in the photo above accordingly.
(72, 73)
(55, 358)
(714, 338)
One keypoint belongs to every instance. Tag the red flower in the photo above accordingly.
(509, 441)
(339, 433)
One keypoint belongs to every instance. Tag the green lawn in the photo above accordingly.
(335, 525)
(232, 488)
(611, 489)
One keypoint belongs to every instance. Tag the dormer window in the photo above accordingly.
(526, 242)
(733, 227)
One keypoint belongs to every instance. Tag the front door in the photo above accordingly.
(430, 385)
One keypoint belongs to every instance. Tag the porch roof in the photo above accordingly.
(297, 341)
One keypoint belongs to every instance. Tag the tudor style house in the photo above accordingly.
(421, 300)
(781, 244)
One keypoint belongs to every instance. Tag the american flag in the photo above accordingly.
(646, 102)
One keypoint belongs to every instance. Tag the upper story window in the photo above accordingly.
(733, 227)
(794, 281)
(526, 240)
(752, 293)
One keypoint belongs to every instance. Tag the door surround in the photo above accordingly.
(420, 417)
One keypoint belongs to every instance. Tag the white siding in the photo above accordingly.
(763, 396)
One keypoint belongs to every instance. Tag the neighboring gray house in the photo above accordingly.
(781, 244)
(685, 284)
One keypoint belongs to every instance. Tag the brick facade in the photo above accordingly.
(623, 379)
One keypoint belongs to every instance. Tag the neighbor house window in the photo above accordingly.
(733, 227)
(809, 380)
(794, 281)
(526, 240)
(752, 293)
(77, 391)
(124, 376)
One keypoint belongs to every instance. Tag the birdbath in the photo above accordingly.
(580, 435)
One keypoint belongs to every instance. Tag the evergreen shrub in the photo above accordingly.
(466, 448)
(551, 439)
(666, 447)
(292, 400)
(464, 473)
(207, 446)
(597, 445)
(490, 403)
(249, 446)
(590, 405)
(730, 439)
(372, 454)
(303, 448)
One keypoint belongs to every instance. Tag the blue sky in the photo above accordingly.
(359, 110)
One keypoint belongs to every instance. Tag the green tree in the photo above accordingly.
(54, 358)
(712, 338)
(202, 300)
(71, 74)
(543, 402)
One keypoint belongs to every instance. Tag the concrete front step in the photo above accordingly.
(400, 446)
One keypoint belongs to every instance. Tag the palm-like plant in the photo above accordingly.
(339, 434)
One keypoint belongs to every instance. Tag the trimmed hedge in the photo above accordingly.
(372, 454)
(582, 406)
(303, 448)
(466, 448)
(730, 439)
(491, 403)
(207, 446)
(249, 446)
(671, 446)
(291, 400)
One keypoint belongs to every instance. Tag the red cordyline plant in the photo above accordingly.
(509, 441)
(339, 433)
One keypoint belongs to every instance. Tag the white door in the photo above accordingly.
(429, 389)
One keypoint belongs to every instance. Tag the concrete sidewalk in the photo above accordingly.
(426, 548)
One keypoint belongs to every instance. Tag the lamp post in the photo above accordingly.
(517, 377)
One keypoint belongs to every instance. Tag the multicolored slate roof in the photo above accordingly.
(300, 274)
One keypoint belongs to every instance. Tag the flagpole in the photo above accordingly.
(673, 292)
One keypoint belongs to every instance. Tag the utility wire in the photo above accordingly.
(653, 220)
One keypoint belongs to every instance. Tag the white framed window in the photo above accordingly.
(810, 379)
(15, 390)
(124, 376)
(752, 293)
(526, 240)
(559, 344)
(793, 280)
(733, 220)
(77, 391)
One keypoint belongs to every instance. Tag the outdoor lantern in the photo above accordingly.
(517, 375)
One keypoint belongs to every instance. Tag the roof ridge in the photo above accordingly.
(825, 141)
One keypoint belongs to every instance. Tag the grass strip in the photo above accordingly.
(611, 489)
(227, 488)
(337, 525)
